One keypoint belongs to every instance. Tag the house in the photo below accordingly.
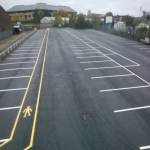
(119, 18)
(120, 26)
(27, 11)
(5, 20)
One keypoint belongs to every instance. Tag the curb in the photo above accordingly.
(13, 46)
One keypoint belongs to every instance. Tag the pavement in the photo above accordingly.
(73, 89)
(5, 43)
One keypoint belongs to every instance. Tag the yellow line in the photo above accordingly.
(38, 99)
(23, 100)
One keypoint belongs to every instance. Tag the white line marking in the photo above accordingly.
(84, 50)
(4, 140)
(112, 76)
(145, 147)
(21, 57)
(91, 56)
(148, 51)
(110, 67)
(18, 63)
(24, 53)
(110, 54)
(94, 61)
(110, 58)
(87, 53)
(14, 77)
(16, 69)
(78, 47)
(136, 87)
(13, 89)
(26, 50)
(10, 108)
(130, 109)
(144, 48)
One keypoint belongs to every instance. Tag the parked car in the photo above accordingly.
(16, 30)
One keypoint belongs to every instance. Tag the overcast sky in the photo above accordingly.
(120, 7)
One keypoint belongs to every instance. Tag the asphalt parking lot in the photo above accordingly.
(73, 89)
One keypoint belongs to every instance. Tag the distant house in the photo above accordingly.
(5, 20)
(47, 20)
(119, 18)
(120, 26)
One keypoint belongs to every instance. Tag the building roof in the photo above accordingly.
(39, 6)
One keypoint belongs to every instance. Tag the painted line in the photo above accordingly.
(74, 45)
(14, 77)
(83, 50)
(4, 140)
(18, 63)
(94, 61)
(110, 54)
(148, 51)
(38, 98)
(25, 53)
(145, 147)
(87, 53)
(10, 108)
(7, 90)
(18, 50)
(110, 67)
(144, 48)
(78, 47)
(16, 69)
(112, 76)
(21, 57)
(119, 89)
(130, 109)
(112, 59)
(91, 56)
(23, 100)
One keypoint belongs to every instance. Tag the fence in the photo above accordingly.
(5, 34)
(130, 33)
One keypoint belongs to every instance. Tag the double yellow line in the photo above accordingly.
(23, 100)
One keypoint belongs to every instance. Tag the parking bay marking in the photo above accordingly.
(144, 48)
(3, 140)
(94, 61)
(15, 77)
(130, 109)
(25, 53)
(21, 57)
(7, 90)
(116, 63)
(145, 147)
(10, 108)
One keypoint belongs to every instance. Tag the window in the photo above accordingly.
(29, 16)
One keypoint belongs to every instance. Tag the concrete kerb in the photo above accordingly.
(13, 46)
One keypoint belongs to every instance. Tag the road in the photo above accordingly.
(73, 89)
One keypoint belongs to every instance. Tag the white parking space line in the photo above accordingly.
(78, 47)
(24, 53)
(7, 90)
(18, 63)
(16, 69)
(145, 147)
(87, 53)
(148, 51)
(10, 108)
(91, 56)
(119, 89)
(144, 48)
(3, 140)
(110, 67)
(27, 50)
(112, 76)
(94, 61)
(83, 50)
(14, 77)
(21, 57)
(130, 43)
(130, 109)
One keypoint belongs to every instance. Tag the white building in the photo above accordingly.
(48, 20)
(120, 26)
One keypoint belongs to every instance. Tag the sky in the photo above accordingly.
(117, 7)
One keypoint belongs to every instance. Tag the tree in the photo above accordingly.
(80, 21)
(15, 18)
(55, 14)
(72, 19)
(47, 13)
(129, 21)
(59, 20)
(41, 14)
(36, 16)
(95, 19)
(63, 13)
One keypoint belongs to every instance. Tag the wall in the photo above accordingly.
(5, 21)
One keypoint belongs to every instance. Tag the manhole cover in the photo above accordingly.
(87, 117)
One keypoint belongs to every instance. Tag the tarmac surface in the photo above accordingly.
(67, 89)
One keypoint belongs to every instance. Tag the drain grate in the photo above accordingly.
(87, 117)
